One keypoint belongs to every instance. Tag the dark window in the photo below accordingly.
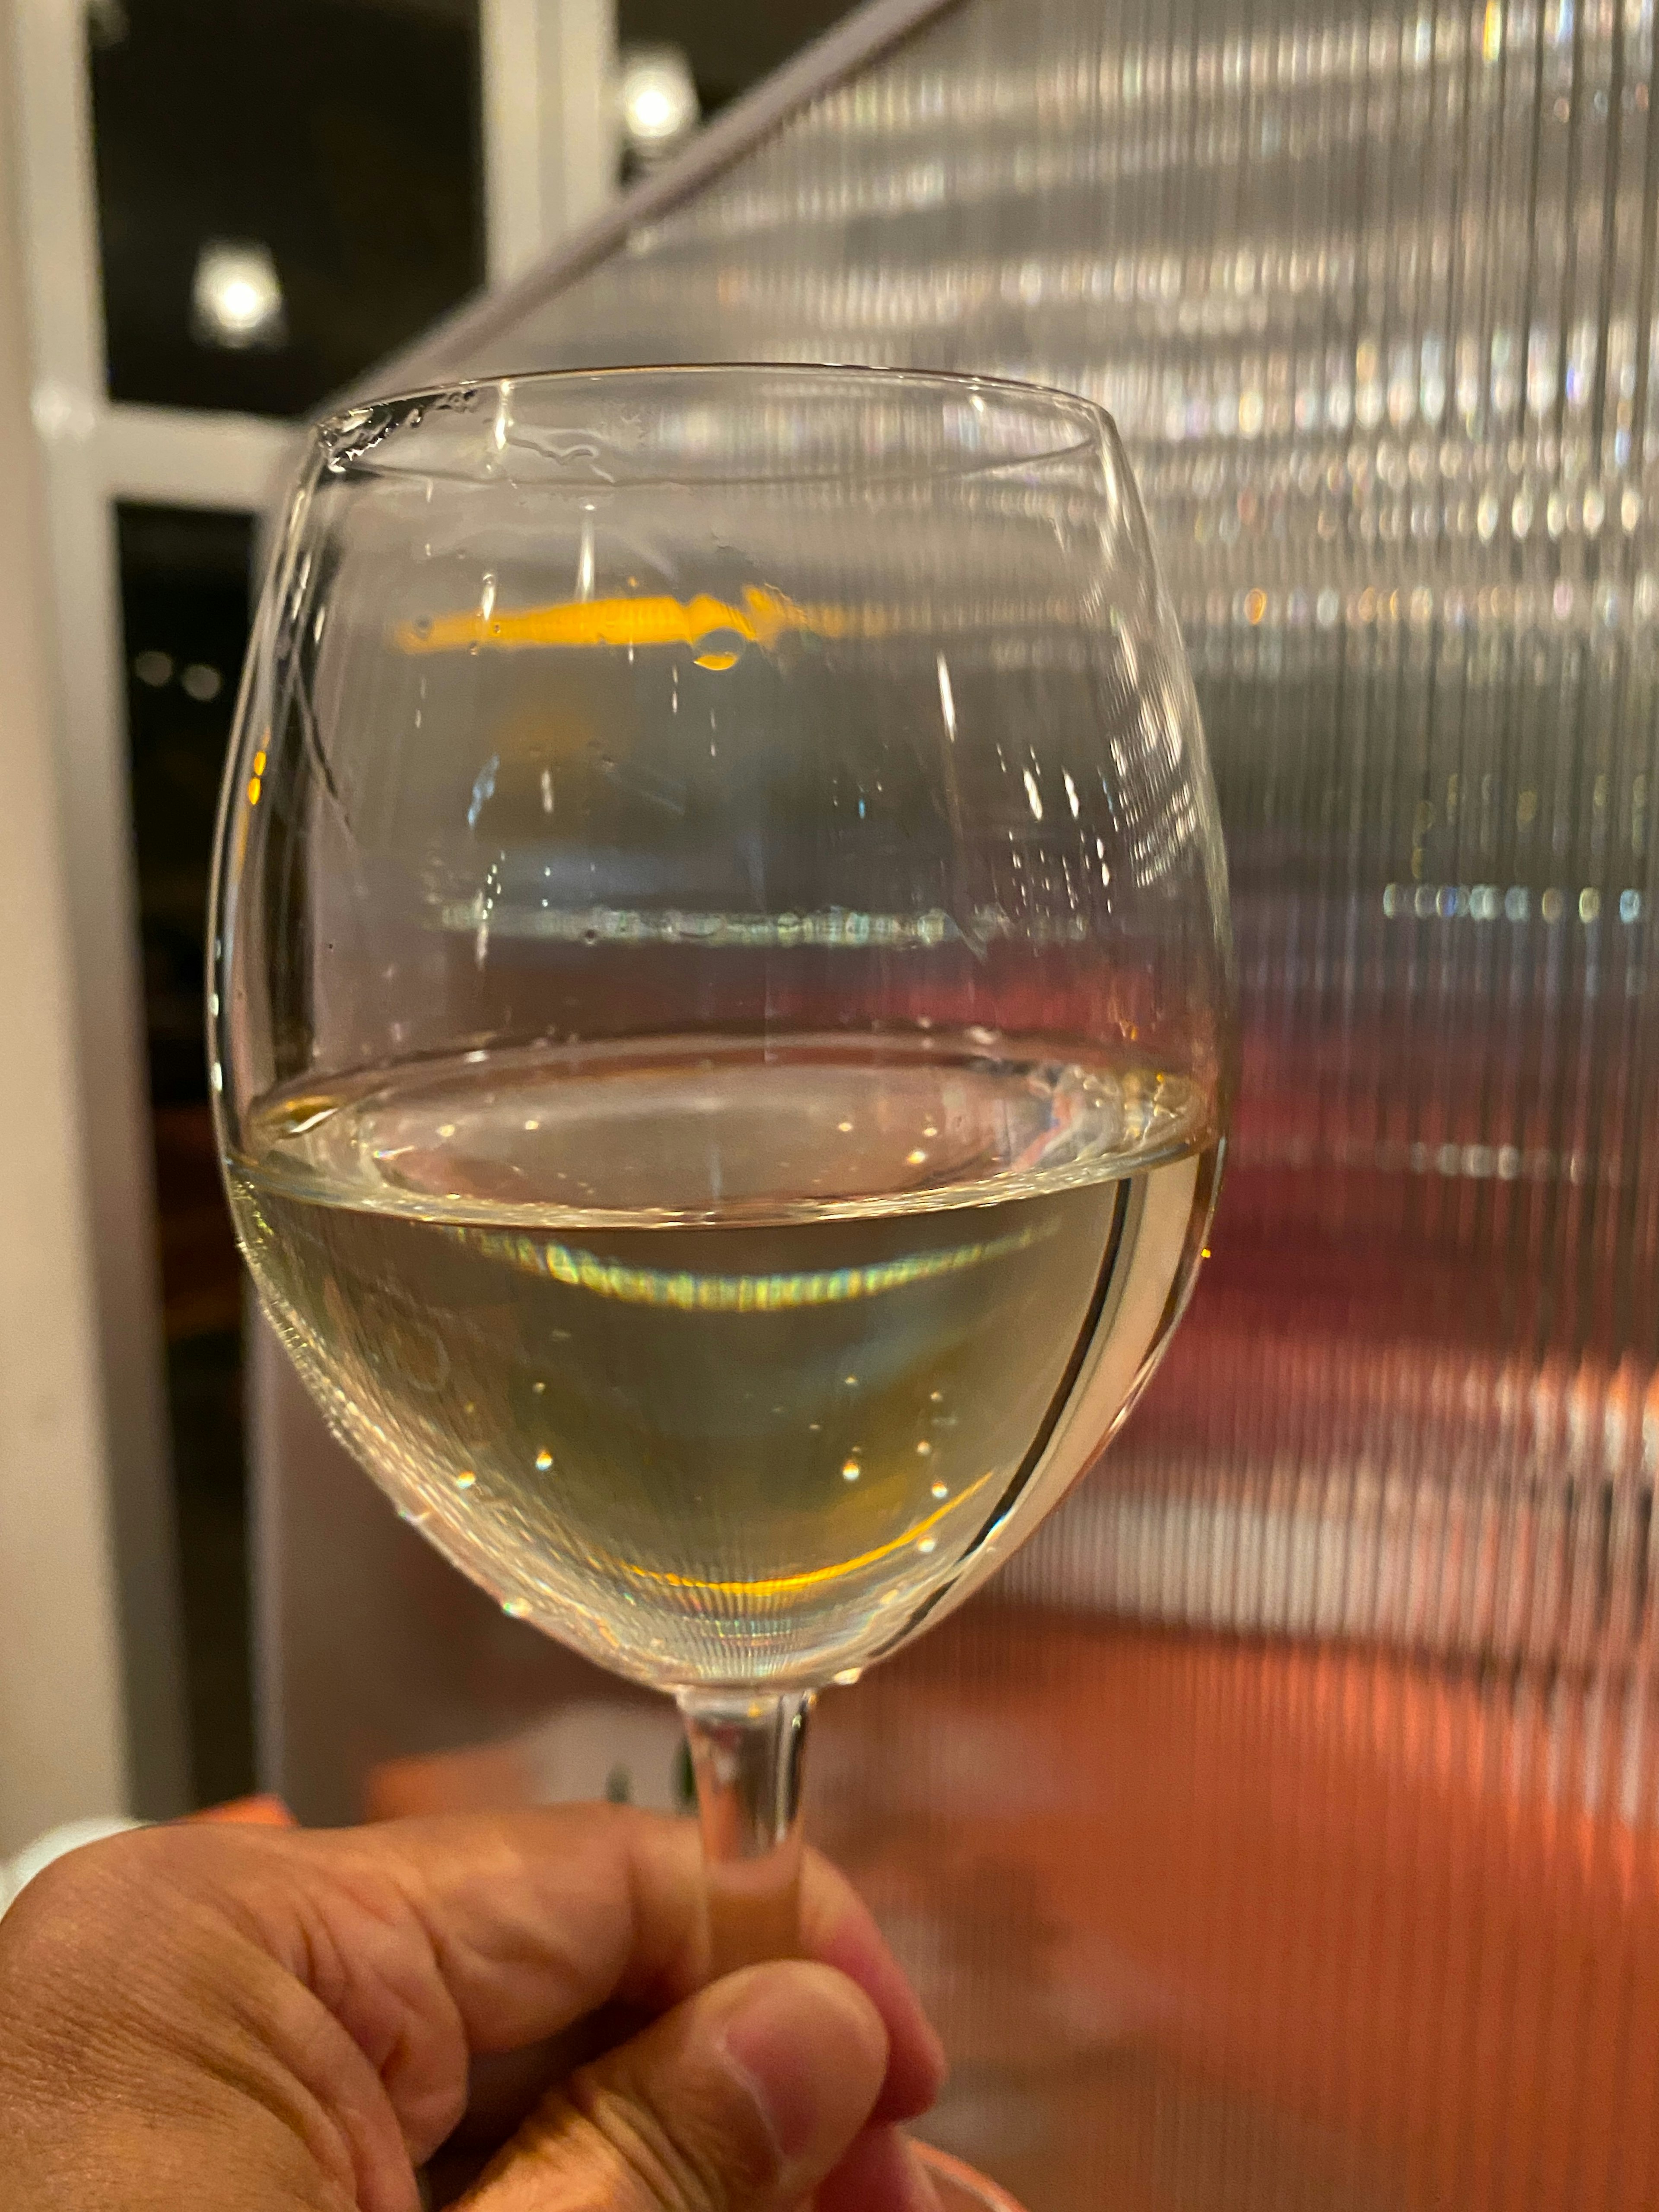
(287, 190)
(184, 600)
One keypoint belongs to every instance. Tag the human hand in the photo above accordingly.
(193, 2018)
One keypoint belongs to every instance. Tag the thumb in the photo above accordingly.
(742, 2098)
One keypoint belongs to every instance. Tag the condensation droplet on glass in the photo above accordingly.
(516, 1608)
(539, 1387)
(850, 1470)
(465, 1479)
(924, 1450)
(928, 1544)
(847, 1677)
(544, 1460)
(845, 1127)
(940, 1490)
(852, 1382)
(915, 1158)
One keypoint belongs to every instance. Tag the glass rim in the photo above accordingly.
(1092, 425)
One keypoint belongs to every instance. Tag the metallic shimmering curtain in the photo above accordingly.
(1281, 1829)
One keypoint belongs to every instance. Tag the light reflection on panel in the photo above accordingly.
(1372, 300)
(1280, 1830)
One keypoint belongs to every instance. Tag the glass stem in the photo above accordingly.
(748, 1755)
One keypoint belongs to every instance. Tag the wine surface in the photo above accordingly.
(725, 1361)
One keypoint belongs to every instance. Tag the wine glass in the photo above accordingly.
(720, 1007)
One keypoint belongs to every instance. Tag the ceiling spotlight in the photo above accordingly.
(657, 99)
(236, 296)
(107, 21)
(202, 680)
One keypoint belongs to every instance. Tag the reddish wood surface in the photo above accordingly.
(1212, 1923)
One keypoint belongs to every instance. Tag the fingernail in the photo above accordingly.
(920, 2195)
(882, 2173)
(938, 2061)
(804, 2039)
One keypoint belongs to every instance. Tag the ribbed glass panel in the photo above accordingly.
(1372, 298)
(1280, 1830)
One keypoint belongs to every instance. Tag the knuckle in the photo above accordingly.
(62, 1891)
(88, 1895)
(98, 1947)
(59, 1943)
(68, 1910)
(95, 1905)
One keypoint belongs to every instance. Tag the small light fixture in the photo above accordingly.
(236, 296)
(106, 22)
(657, 100)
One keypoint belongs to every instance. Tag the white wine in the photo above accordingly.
(725, 1361)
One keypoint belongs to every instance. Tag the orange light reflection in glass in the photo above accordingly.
(761, 620)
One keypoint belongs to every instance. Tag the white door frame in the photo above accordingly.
(100, 1652)
(550, 148)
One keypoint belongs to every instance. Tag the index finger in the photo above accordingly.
(537, 1918)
